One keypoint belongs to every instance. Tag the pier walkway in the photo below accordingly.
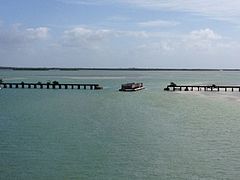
(213, 87)
(50, 86)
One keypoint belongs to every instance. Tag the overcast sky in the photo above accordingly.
(120, 33)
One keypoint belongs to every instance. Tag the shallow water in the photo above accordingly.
(150, 134)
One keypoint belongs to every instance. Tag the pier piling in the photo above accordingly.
(50, 86)
(175, 87)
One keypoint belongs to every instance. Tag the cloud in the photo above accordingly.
(131, 34)
(218, 9)
(37, 33)
(202, 41)
(119, 18)
(89, 38)
(86, 37)
(199, 48)
(88, 46)
(204, 34)
(17, 36)
(158, 23)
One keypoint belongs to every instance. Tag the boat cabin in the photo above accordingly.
(132, 87)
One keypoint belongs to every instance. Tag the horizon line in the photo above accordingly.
(116, 68)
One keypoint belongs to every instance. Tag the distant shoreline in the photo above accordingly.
(111, 69)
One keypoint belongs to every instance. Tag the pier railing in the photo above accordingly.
(213, 87)
(51, 86)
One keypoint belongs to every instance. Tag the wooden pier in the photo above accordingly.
(50, 86)
(213, 87)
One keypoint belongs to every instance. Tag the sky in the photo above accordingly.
(120, 33)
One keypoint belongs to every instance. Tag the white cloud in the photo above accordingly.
(198, 41)
(17, 36)
(119, 18)
(217, 9)
(227, 10)
(204, 34)
(199, 48)
(131, 34)
(204, 40)
(158, 23)
(87, 33)
(37, 33)
(103, 47)
(160, 47)
(86, 37)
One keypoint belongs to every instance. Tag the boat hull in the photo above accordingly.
(130, 90)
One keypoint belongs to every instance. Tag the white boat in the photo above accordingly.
(132, 87)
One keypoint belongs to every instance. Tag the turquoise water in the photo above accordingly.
(149, 134)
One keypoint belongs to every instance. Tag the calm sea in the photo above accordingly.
(107, 134)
